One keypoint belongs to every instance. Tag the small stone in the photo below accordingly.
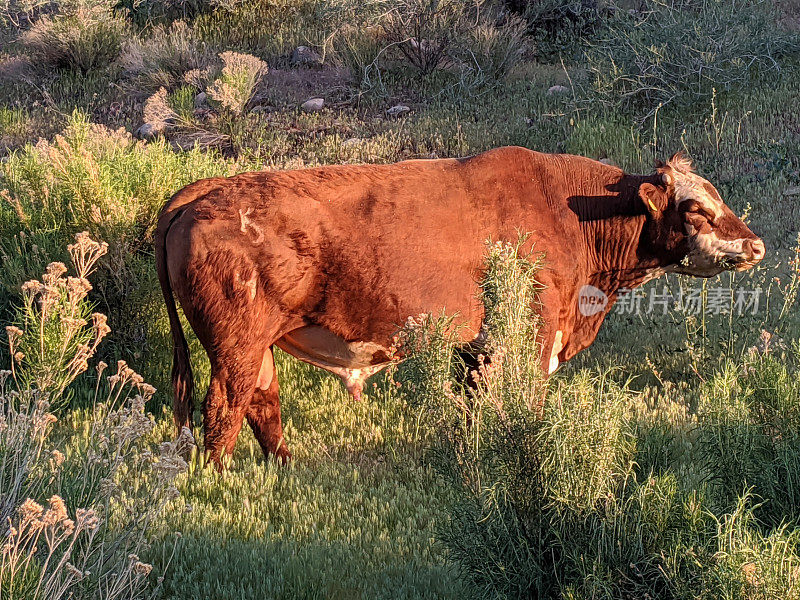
(262, 108)
(397, 109)
(792, 191)
(200, 100)
(607, 161)
(353, 141)
(148, 131)
(303, 55)
(313, 105)
(557, 89)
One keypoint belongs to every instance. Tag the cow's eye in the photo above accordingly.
(694, 209)
(699, 219)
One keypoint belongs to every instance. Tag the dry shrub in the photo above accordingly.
(17, 14)
(681, 51)
(425, 31)
(86, 38)
(492, 47)
(474, 40)
(157, 110)
(166, 56)
(56, 312)
(235, 86)
(107, 468)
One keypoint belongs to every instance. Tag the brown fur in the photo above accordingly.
(356, 250)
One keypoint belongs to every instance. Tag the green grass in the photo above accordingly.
(353, 517)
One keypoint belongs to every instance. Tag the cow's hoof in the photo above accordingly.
(284, 456)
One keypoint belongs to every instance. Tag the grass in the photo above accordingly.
(704, 433)
(354, 517)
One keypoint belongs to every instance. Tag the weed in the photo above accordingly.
(678, 52)
(236, 84)
(87, 38)
(60, 550)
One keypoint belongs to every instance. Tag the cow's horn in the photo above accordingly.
(666, 178)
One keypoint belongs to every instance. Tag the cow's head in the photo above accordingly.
(691, 228)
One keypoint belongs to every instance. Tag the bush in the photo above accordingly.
(107, 469)
(679, 52)
(237, 82)
(164, 58)
(749, 432)
(145, 12)
(465, 36)
(86, 38)
(96, 179)
(492, 47)
(559, 26)
(553, 506)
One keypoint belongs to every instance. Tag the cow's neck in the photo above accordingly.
(613, 228)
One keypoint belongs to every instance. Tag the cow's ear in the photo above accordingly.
(655, 200)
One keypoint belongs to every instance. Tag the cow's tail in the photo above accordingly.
(182, 382)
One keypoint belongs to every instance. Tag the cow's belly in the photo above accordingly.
(354, 362)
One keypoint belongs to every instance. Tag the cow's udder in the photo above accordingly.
(352, 361)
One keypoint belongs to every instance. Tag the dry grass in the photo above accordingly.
(88, 38)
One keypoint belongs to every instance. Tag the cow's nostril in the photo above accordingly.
(757, 249)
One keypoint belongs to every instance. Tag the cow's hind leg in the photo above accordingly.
(264, 412)
(229, 395)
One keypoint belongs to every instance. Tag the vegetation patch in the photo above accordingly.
(662, 462)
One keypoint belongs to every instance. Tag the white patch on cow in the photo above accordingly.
(266, 372)
(591, 300)
(558, 346)
(250, 284)
(690, 186)
(708, 253)
(246, 222)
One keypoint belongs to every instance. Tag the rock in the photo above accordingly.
(303, 55)
(557, 89)
(397, 109)
(262, 108)
(353, 141)
(792, 191)
(149, 130)
(313, 104)
(607, 161)
(200, 100)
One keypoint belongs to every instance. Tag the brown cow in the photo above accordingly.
(327, 263)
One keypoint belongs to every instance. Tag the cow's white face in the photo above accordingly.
(702, 233)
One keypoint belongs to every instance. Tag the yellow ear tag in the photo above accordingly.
(652, 206)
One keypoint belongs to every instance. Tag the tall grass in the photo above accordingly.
(104, 484)
(103, 181)
(554, 504)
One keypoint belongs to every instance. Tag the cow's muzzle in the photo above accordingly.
(753, 251)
